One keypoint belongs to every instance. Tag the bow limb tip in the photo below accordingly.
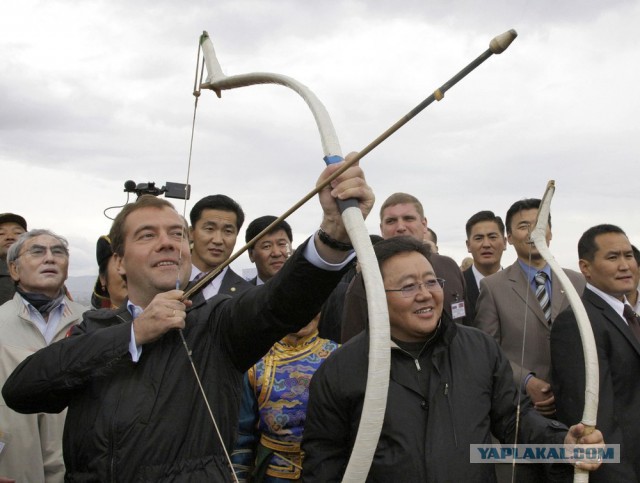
(501, 42)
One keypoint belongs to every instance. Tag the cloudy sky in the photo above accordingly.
(93, 93)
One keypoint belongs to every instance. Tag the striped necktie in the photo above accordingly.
(633, 320)
(543, 295)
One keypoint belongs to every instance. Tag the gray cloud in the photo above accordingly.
(94, 94)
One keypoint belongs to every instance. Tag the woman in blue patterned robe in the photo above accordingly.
(274, 406)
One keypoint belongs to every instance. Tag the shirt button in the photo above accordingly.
(423, 404)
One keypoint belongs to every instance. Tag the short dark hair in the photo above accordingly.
(259, 224)
(117, 233)
(587, 246)
(481, 216)
(217, 202)
(520, 205)
(390, 247)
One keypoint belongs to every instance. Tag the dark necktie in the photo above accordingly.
(633, 320)
(543, 295)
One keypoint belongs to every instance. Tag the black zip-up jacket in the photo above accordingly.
(147, 421)
(430, 420)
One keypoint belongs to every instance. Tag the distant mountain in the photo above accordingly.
(81, 288)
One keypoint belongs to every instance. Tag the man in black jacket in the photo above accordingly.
(450, 387)
(135, 412)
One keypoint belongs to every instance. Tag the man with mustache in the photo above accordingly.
(450, 387)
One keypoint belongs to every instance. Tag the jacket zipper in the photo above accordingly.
(453, 419)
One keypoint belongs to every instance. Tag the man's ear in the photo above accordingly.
(13, 271)
(250, 252)
(585, 268)
(119, 265)
(468, 249)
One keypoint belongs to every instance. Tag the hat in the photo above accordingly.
(100, 296)
(12, 217)
(103, 250)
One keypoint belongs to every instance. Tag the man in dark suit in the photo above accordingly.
(486, 243)
(607, 262)
(271, 250)
(215, 223)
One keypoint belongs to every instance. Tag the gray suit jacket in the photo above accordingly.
(507, 304)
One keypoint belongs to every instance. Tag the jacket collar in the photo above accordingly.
(441, 338)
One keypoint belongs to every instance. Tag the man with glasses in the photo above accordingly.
(38, 315)
(450, 386)
(402, 214)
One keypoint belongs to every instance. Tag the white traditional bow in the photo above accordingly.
(379, 354)
(584, 326)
